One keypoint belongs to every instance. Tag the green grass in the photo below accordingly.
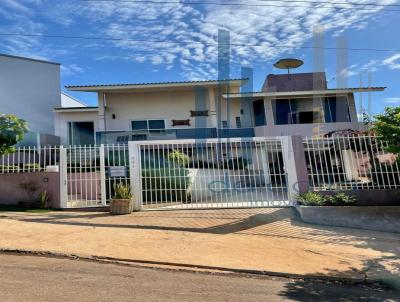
(7, 208)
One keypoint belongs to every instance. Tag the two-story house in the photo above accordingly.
(295, 104)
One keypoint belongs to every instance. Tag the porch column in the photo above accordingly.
(213, 120)
(295, 165)
(101, 114)
(269, 111)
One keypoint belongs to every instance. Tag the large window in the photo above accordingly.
(336, 109)
(297, 111)
(284, 110)
(148, 125)
(80, 133)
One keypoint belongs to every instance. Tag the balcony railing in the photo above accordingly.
(113, 137)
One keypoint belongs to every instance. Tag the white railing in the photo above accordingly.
(350, 163)
(30, 159)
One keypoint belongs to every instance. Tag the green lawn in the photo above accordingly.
(7, 208)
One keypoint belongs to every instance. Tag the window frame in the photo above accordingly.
(147, 122)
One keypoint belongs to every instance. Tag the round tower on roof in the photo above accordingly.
(288, 64)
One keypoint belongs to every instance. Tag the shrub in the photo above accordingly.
(43, 200)
(31, 168)
(165, 185)
(9, 168)
(341, 199)
(311, 199)
(318, 199)
(178, 158)
(122, 191)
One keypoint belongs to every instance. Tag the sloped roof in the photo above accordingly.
(28, 59)
(100, 87)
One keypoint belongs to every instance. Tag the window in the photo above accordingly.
(336, 109)
(297, 111)
(80, 133)
(148, 125)
(283, 111)
(224, 124)
(259, 113)
(238, 122)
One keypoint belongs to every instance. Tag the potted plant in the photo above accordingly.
(122, 201)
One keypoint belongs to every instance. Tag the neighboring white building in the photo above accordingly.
(299, 104)
(30, 89)
(70, 102)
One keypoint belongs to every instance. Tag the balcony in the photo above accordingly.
(120, 137)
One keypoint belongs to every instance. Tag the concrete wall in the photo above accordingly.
(385, 219)
(30, 89)
(26, 187)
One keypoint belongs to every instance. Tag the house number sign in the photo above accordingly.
(117, 171)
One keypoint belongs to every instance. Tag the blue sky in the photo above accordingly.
(124, 54)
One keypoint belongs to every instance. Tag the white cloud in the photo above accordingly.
(395, 100)
(71, 69)
(393, 62)
(257, 33)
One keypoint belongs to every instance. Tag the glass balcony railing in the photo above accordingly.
(118, 137)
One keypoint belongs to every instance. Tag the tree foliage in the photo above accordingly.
(387, 127)
(12, 131)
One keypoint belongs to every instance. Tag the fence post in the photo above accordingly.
(295, 166)
(102, 175)
(63, 178)
(135, 175)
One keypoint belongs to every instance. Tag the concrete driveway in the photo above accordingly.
(272, 240)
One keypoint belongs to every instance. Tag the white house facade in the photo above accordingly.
(297, 104)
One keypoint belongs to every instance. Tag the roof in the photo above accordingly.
(108, 87)
(28, 59)
(303, 93)
(75, 109)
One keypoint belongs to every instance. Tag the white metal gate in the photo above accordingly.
(214, 173)
(89, 173)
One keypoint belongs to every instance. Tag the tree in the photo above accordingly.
(12, 131)
(387, 127)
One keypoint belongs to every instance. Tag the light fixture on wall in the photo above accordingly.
(113, 116)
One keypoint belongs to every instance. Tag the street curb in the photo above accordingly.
(187, 267)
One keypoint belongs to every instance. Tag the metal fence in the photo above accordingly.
(350, 163)
(211, 173)
(30, 159)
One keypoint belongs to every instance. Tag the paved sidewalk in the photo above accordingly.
(272, 240)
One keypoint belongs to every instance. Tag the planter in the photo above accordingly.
(121, 206)
(379, 218)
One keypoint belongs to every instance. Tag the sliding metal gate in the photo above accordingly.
(215, 173)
